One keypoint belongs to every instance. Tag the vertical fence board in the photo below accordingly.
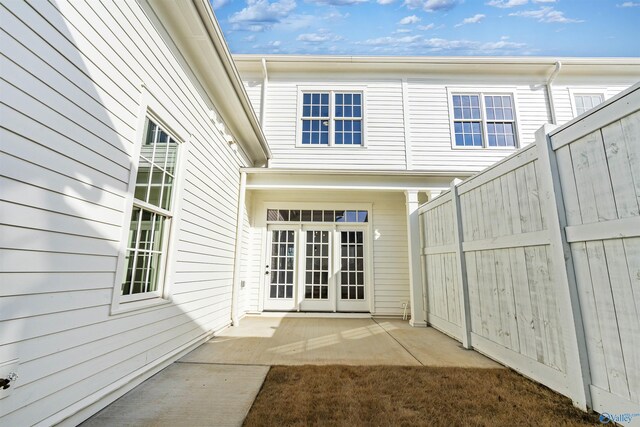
(626, 313)
(631, 131)
(607, 318)
(595, 346)
(524, 315)
(620, 168)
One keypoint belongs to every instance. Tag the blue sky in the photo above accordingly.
(432, 27)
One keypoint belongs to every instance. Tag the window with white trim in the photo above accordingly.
(586, 101)
(481, 120)
(151, 215)
(331, 118)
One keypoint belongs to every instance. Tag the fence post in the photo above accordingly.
(461, 266)
(569, 312)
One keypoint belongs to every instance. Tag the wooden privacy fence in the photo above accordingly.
(536, 260)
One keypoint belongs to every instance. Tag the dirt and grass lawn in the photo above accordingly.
(408, 396)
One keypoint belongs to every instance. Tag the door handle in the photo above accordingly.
(266, 272)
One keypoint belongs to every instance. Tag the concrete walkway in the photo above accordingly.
(216, 384)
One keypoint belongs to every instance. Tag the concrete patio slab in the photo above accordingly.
(322, 341)
(433, 348)
(186, 394)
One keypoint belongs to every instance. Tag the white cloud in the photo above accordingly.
(505, 4)
(629, 4)
(431, 5)
(392, 41)
(546, 14)
(217, 4)
(255, 28)
(261, 11)
(426, 27)
(336, 2)
(318, 37)
(412, 19)
(383, 2)
(423, 45)
(472, 20)
(295, 22)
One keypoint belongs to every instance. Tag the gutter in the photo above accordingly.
(442, 60)
(550, 80)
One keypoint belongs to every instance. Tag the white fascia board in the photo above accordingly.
(412, 65)
(194, 29)
(291, 179)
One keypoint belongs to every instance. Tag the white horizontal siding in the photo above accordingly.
(69, 108)
(383, 121)
(563, 102)
(390, 247)
(431, 138)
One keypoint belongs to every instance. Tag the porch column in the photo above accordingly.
(418, 317)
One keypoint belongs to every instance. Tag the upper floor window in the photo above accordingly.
(484, 120)
(585, 102)
(151, 215)
(331, 118)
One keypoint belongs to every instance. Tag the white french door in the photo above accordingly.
(318, 282)
(352, 276)
(317, 268)
(281, 269)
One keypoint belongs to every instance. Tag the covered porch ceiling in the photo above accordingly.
(366, 180)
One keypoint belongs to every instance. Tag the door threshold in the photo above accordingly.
(317, 314)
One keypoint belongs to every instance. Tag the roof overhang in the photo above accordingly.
(193, 28)
(365, 180)
(441, 65)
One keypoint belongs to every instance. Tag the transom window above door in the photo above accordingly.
(304, 215)
(331, 118)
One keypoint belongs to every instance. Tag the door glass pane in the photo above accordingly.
(352, 262)
(282, 264)
(317, 263)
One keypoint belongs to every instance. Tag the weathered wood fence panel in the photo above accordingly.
(599, 169)
(439, 255)
(536, 260)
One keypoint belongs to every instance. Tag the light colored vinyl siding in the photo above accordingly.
(253, 86)
(562, 96)
(73, 81)
(431, 138)
(390, 247)
(383, 121)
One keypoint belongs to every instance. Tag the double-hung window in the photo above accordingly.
(586, 101)
(331, 118)
(147, 241)
(481, 120)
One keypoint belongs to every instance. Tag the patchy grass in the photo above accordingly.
(407, 396)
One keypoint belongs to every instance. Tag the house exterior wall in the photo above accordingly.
(406, 114)
(71, 95)
(389, 242)
(384, 124)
